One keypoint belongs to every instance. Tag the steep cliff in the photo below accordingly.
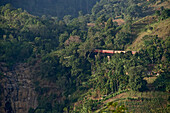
(18, 89)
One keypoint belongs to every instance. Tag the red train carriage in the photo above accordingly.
(111, 51)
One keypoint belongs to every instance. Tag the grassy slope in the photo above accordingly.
(141, 102)
(160, 28)
(141, 27)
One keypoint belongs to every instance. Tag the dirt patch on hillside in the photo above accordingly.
(122, 95)
(119, 21)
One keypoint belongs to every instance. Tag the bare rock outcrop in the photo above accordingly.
(18, 92)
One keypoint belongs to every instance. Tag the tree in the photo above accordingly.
(67, 19)
(136, 81)
(114, 108)
(162, 82)
(157, 12)
(63, 37)
(165, 14)
(121, 40)
(109, 24)
(134, 10)
(151, 51)
(101, 20)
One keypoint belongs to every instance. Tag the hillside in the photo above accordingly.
(159, 28)
(140, 102)
(55, 8)
(50, 65)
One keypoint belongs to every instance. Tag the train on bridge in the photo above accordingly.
(112, 51)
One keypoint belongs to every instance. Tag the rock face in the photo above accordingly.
(18, 89)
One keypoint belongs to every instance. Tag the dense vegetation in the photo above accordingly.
(55, 8)
(64, 52)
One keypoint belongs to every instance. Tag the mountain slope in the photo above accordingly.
(56, 8)
(56, 61)
(160, 28)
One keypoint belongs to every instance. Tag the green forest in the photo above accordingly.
(53, 45)
(53, 8)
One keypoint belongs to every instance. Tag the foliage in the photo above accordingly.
(164, 14)
(62, 52)
(136, 81)
(114, 108)
(162, 82)
(117, 8)
(121, 40)
(58, 8)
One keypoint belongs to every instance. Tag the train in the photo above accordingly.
(112, 51)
